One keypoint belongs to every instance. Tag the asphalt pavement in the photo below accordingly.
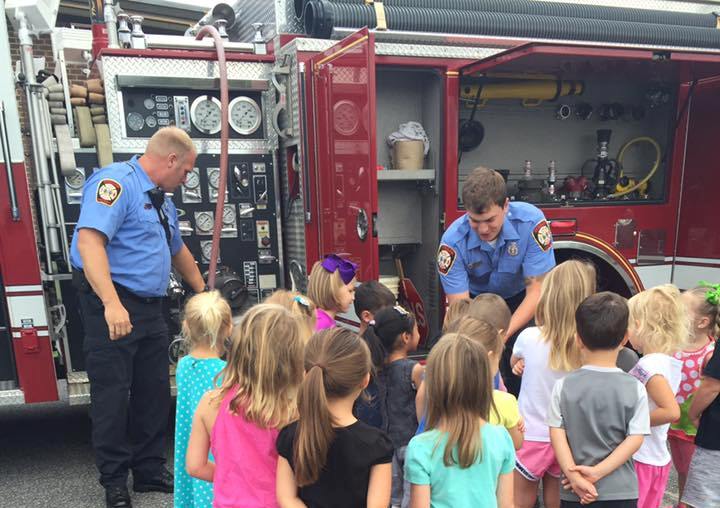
(46, 460)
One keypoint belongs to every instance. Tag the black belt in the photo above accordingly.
(81, 283)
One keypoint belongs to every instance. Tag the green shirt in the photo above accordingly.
(451, 486)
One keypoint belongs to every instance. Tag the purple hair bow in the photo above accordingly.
(347, 269)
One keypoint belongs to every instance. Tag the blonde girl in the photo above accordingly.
(702, 308)
(332, 287)
(461, 460)
(493, 309)
(298, 305)
(505, 410)
(329, 458)
(544, 354)
(241, 419)
(659, 328)
(207, 322)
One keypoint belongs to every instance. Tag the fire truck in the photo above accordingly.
(604, 116)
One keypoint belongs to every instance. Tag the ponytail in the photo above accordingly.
(377, 351)
(336, 363)
(314, 430)
(383, 333)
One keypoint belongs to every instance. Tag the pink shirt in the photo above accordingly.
(245, 461)
(324, 320)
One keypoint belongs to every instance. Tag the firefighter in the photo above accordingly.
(497, 247)
(126, 239)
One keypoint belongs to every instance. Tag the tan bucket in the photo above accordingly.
(408, 154)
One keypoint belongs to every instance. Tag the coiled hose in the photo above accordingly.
(649, 175)
(322, 16)
(563, 10)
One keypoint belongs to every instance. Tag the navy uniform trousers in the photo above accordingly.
(129, 387)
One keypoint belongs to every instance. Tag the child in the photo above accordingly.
(455, 311)
(332, 288)
(399, 378)
(549, 353)
(703, 317)
(702, 489)
(658, 329)
(493, 309)
(370, 297)
(505, 409)
(462, 460)
(298, 305)
(328, 458)
(206, 325)
(599, 414)
(240, 421)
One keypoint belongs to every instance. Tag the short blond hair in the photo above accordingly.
(562, 292)
(299, 306)
(265, 365)
(659, 318)
(170, 140)
(205, 318)
(324, 286)
(491, 308)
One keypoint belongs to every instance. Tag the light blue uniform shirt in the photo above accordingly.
(523, 249)
(116, 202)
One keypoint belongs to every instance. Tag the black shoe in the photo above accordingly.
(117, 497)
(162, 481)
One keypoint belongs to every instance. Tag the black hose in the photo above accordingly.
(562, 10)
(322, 16)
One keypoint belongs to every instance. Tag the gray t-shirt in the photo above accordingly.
(598, 408)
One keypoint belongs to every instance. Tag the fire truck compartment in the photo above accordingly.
(409, 202)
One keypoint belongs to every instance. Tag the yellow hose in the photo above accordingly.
(621, 155)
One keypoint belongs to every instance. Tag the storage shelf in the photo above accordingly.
(405, 174)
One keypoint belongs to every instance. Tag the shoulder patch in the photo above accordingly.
(542, 235)
(108, 191)
(445, 259)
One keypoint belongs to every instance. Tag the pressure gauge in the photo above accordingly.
(245, 115)
(135, 121)
(149, 103)
(214, 177)
(151, 121)
(229, 215)
(346, 117)
(76, 179)
(192, 181)
(205, 114)
(206, 251)
(204, 222)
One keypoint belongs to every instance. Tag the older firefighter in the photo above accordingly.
(126, 239)
(496, 247)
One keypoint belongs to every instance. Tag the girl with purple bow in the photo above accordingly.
(332, 288)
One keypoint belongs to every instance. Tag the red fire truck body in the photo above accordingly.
(327, 109)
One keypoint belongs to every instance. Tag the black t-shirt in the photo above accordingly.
(708, 436)
(345, 477)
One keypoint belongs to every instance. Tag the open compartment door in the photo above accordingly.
(343, 87)
(553, 58)
(697, 254)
